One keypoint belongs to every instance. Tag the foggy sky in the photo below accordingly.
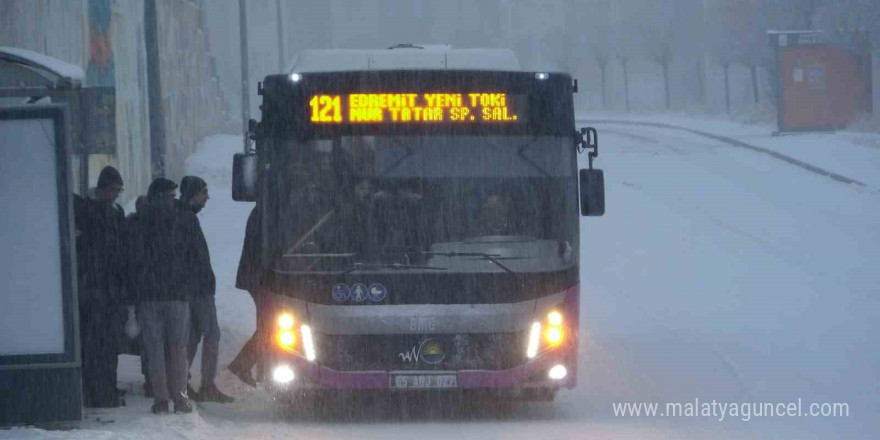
(567, 35)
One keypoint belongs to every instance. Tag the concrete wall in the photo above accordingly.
(26, 24)
(194, 106)
(132, 112)
(193, 103)
(225, 51)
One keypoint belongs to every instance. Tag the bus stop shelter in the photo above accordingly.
(44, 111)
(821, 86)
(28, 78)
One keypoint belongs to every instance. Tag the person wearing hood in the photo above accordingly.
(203, 310)
(99, 228)
(162, 282)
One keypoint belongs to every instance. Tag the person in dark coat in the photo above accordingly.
(99, 228)
(163, 241)
(135, 346)
(203, 310)
(250, 278)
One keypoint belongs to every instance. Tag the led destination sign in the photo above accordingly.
(391, 108)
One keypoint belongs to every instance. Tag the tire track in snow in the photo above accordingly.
(630, 136)
(735, 143)
(715, 351)
(727, 364)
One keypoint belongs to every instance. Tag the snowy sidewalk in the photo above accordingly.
(854, 155)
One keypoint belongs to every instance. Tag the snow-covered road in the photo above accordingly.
(721, 274)
(716, 273)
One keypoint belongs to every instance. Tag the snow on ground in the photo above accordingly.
(717, 273)
(853, 154)
(719, 251)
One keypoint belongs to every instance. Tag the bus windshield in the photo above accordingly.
(454, 203)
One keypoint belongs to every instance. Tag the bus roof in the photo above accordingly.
(404, 57)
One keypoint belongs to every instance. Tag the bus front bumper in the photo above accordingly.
(553, 369)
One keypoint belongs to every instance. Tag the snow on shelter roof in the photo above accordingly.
(409, 57)
(70, 73)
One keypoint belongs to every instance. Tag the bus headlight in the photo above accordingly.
(308, 343)
(285, 321)
(534, 340)
(286, 336)
(555, 333)
(286, 339)
(553, 336)
(558, 372)
(291, 339)
(283, 374)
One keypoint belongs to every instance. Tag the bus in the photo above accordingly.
(419, 211)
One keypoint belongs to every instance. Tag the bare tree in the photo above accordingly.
(629, 43)
(599, 30)
(736, 32)
(848, 16)
(667, 29)
(657, 31)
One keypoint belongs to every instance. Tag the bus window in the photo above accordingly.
(371, 195)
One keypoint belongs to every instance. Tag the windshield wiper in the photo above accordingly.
(356, 266)
(409, 152)
(521, 153)
(493, 258)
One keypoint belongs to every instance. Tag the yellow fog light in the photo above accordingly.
(286, 339)
(554, 335)
(285, 321)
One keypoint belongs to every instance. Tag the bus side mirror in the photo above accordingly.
(592, 183)
(244, 177)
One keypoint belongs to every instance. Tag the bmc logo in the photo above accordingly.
(422, 324)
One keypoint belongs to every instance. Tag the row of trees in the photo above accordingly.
(726, 31)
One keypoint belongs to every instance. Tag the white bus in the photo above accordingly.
(420, 214)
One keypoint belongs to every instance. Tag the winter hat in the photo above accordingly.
(109, 176)
(140, 203)
(160, 186)
(190, 186)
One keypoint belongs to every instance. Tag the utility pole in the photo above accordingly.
(154, 87)
(245, 89)
(281, 53)
(704, 62)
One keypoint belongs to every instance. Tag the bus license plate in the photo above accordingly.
(404, 381)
